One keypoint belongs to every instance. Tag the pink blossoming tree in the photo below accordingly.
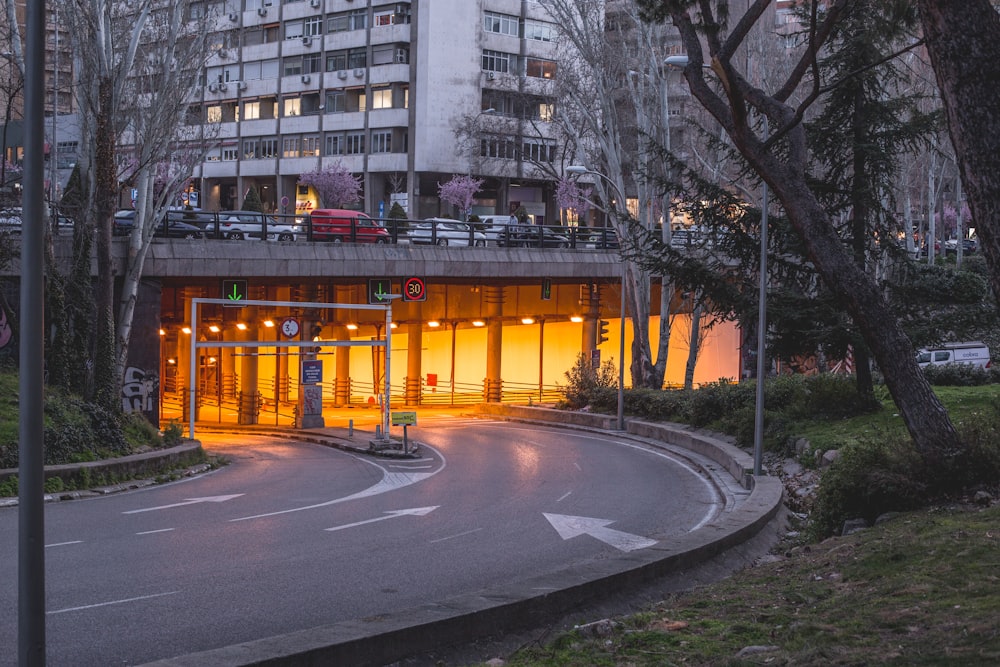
(334, 184)
(460, 191)
(569, 195)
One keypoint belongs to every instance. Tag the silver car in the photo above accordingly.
(239, 225)
(444, 231)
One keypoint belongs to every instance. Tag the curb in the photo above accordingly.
(528, 603)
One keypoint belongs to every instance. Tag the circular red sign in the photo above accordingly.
(414, 289)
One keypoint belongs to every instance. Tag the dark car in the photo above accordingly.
(169, 228)
(536, 236)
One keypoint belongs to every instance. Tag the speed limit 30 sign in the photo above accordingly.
(414, 289)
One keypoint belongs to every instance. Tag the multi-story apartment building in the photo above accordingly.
(406, 94)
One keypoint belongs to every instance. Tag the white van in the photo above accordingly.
(974, 353)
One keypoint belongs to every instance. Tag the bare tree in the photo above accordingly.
(782, 160)
(137, 69)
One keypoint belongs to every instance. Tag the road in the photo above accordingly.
(292, 535)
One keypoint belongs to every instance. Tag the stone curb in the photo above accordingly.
(528, 603)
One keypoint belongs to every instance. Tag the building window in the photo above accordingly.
(310, 146)
(336, 102)
(290, 147)
(359, 19)
(498, 61)
(355, 143)
(269, 148)
(292, 66)
(381, 141)
(260, 69)
(293, 30)
(334, 144)
(313, 26)
(357, 59)
(538, 150)
(338, 23)
(382, 98)
(539, 31)
(336, 61)
(214, 114)
(497, 146)
(251, 149)
(501, 24)
(312, 63)
(230, 153)
(541, 69)
(292, 106)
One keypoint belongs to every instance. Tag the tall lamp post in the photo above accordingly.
(682, 61)
(579, 170)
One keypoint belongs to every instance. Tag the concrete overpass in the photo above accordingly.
(497, 324)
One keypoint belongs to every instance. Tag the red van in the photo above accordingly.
(341, 225)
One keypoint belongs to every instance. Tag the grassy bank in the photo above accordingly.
(920, 589)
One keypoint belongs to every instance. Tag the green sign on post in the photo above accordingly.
(379, 290)
(234, 292)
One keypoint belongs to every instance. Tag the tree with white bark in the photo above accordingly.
(137, 70)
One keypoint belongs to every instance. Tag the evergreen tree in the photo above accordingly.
(252, 201)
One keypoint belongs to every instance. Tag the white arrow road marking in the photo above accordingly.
(569, 527)
(416, 511)
(189, 501)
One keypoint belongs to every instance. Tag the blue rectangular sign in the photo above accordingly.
(312, 371)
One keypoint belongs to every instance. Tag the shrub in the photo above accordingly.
(173, 433)
(584, 380)
(958, 375)
(138, 432)
(714, 400)
(869, 478)
(829, 396)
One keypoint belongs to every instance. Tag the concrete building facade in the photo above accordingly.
(404, 94)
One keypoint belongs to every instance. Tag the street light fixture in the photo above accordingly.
(682, 61)
(579, 170)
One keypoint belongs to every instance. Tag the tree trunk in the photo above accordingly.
(106, 385)
(695, 347)
(963, 40)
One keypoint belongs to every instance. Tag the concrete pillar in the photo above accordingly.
(249, 401)
(342, 379)
(493, 297)
(414, 344)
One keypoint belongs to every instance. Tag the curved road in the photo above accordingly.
(294, 535)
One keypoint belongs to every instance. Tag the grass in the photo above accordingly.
(920, 589)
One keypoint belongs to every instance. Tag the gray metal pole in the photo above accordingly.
(31, 473)
(621, 356)
(758, 427)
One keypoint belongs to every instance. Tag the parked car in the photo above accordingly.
(974, 353)
(602, 239)
(167, 228)
(444, 231)
(339, 225)
(969, 246)
(238, 225)
(539, 236)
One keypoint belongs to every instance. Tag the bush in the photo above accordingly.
(829, 396)
(958, 375)
(713, 401)
(585, 381)
(138, 432)
(173, 434)
(868, 479)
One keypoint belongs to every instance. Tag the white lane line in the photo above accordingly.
(451, 537)
(63, 544)
(564, 496)
(153, 532)
(390, 482)
(105, 604)
(406, 467)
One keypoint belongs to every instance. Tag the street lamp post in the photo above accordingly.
(578, 170)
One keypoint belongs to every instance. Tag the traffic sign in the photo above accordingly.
(379, 290)
(234, 292)
(414, 289)
(312, 371)
(404, 418)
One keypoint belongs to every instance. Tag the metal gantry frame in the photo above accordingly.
(196, 344)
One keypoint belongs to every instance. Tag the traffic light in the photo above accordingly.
(602, 331)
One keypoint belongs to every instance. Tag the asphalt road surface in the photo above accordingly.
(293, 535)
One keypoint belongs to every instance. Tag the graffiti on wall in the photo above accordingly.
(6, 331)
(140, 390)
